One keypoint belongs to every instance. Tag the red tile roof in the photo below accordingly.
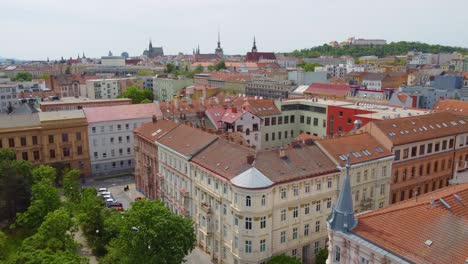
(187, 140)
(231, 115)
(258, 107)
(216, 114)
(418, 128)
(121, 112)
(404, 228)
(455, 107)
(332, 89)
(256, 56)
(153, 131)
(361, 147)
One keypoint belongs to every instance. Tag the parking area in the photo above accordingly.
(116, 187)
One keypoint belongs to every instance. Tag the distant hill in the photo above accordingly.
(391, 49)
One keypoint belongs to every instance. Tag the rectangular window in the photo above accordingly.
(301, 119)
(273, 121)
(308, 120)
(397, 154)
(262, 222)
(78, 135)
(307, 188)
(295, 190)
(414, 151)
(329, 202)
(315, 121)
(267, 121)
(306, 230)
(295, 212)
(34, 140)
(318, 205)
(405, 153)
(262, 245)
(292, 119)
(66, 152)
(273, 136)
(330, 183)
(295, 233)
(52, 153)
(422, 149)
(65, 137)
(283, 237)
(283, 215)
(24, 156)
(286, 119)
(451, 143)
(437, 147)
(337, 254)
(248, 223)
(444, 145)
(283, 193)
(23, 141)
(307, 209)
(79, 150)
(317, 226)
(280, 120)
(266, 137)
(93, 129)
(279, 135)
(429, 148)
(36, 155)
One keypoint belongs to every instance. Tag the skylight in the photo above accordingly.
(357, 155)
(379, 149)
(366, 152)
(342, 157)
(462, 122)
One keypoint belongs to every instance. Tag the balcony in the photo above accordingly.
(184, 193)
(206, 208)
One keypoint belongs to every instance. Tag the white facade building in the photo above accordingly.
(8, 96)
(103, 88)
(110, 130)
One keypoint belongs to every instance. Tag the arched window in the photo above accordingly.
(248, 201)
(263, 200)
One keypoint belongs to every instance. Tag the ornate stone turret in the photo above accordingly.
(343, 213)
(219, 50)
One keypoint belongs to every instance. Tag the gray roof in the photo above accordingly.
(343, 213)
(251, 178)
(15, 121)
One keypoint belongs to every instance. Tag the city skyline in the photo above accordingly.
(55, 29)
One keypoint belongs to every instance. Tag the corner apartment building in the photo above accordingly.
(103, 89)
(370, 168)
(249, 205)
(426, 149)
(48, 138)
(110, 130)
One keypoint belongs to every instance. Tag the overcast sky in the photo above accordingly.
(37, 29)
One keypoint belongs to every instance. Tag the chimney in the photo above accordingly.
(250, 159)
(155, 119)
(282, 153)
(234, 110)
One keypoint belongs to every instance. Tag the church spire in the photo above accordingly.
(150, 46)
(219, 41)
(254, 47)
(343, 213)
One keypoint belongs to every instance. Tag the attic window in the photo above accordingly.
(412, 122)
(379, 149)
(437, 125)
(462, 122)
(453, 123)
(366, 152)
(357, 155)
(217, 164)
(393, 125)
(431, 127)
(342, 157)
(428, 242)
(445, 125)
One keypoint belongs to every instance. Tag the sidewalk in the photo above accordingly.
(84, 251)
(125, 197)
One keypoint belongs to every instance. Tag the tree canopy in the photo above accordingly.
(145, 72)
(23, 76)
(308, 66)
(150, 233)
(137, 95)
(283, 259)
(15, 184)
(71, 185)
(391, 49)
(321, 257)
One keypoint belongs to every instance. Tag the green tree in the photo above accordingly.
(150, 233)
(52, 243)
(44, 76)
(283, 259)
(44, 199)
(321, 257)
(308, 67)
(23, 76)
(44, 172)
(15, 185)
(146, 101)
(91, 215)
(170, 67)
(220, 66)
(145, 72)
(137, 95)
(71, 185)
(3, 245)
(211, 68)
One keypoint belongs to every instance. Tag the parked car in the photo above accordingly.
(107, 196)
(104, 193)
(103, 190)
(138, 198)
(118, 206)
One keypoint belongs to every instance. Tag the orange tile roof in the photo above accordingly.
(121, 112)
(455, 107)
(258, 107)
(361, 147)
(419, 128)
(153, 131)
(403, 228)
(187, 140)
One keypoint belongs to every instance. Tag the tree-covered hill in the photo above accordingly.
(391, 49)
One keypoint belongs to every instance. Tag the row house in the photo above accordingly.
(110, 130)
(146, 155)
(427, 150)
(48, 138)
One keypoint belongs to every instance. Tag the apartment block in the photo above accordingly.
(48, 138)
